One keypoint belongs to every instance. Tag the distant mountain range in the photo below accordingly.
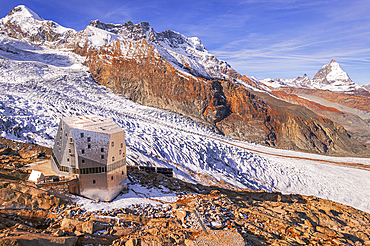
(170, 71)
(330, 77)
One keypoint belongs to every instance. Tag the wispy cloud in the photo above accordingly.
(289, 58)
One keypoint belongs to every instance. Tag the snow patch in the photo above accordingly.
(136, 194)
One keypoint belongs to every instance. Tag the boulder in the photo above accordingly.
(88, 227)
(121, 231)
(58, 233)
(72, 225)
(132, 242)
(9, 152)
(180, 214)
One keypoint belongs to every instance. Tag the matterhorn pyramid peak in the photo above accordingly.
(331, 73)
(23, 11)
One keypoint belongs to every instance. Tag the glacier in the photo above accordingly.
(40, 85)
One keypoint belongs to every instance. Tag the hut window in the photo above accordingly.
(122, 173)
(111, 178)
(58, 143)
(71, 140)
(89, 146)
(82, 135)
(94, 181)
(121, 145)
(66, 134)
(112, 144)
(83, 151)
(120, 151)
(102, 149)
(69, 150)
(83, 161)
(88, 139)
(67, 159)
(112, 158)
(123, 155)
(102, 156)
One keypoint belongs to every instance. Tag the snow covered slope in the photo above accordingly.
(40, 85)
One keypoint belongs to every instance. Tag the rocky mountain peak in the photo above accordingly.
(23, 11)
(303, 81)
(331, 73)
(128, 30)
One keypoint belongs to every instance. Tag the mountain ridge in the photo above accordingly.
(170, 71)
(187, 54)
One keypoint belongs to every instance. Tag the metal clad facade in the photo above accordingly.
(93, 149)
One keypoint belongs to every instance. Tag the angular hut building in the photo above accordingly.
(92, 149)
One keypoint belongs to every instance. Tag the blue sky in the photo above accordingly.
(262, 38)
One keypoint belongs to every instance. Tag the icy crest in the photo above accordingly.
(24, 12)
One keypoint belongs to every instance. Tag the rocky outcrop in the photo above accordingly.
(201, 216)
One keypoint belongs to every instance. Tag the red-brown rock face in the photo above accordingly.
(145, 77)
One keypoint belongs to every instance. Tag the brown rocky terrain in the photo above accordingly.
(41, 215)
(358, 128)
